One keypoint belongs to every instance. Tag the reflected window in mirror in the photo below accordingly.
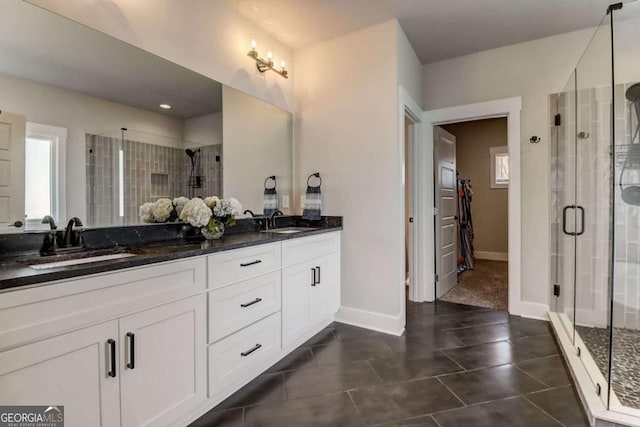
(44, 174)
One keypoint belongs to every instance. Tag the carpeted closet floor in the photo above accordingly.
(485, 286)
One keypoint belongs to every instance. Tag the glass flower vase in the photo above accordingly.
(214, 230)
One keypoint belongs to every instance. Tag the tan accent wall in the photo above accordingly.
(489, 207)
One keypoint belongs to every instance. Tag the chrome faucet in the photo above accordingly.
(48, 219)
(68, 232)
(271, 220)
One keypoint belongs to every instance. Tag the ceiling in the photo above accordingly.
(437, 29)
(38, 45)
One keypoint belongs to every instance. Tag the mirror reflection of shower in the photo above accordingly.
(195, 175)
(631, 189)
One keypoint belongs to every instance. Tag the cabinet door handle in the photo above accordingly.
(251, 350)
(318, 275)
(247, 264)
(131, 364)
(247, 304)
(313, 276)
(112, 356)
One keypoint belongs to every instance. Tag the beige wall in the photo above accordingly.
(489, 207)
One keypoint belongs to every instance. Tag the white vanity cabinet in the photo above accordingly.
(310, 285)
(159, 345)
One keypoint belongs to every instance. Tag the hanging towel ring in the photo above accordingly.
(317, 175)
(272, 177)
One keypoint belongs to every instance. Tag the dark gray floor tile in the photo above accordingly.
(424, 421)
(549, 370)
(484, 334)
(486, 355)
(529, 327)
(431, 308)
(406, 366)
(539, 345)
(500, 413)
(347, 332)
(484, 318)
(329, 379)
(468, 308)
(323, 337)
(422, 341)
(561, 403)
(299, 358)
(391, 402)
(436, 323)
(490, 384)
(351, 350)
(224, 418)
(266, 388)
(323, 411)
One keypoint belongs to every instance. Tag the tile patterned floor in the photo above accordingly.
(455, 365)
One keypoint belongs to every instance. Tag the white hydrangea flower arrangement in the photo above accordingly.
(159, 211)
(209, 215)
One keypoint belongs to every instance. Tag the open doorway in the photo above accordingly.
(471, 180)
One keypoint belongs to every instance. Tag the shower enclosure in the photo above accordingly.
(595, 211)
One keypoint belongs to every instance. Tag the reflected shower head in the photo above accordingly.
(633, 93)
(190, 152)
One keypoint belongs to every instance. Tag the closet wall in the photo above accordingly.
(489, 206)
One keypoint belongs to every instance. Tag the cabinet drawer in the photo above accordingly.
(235, 306)
(241, 264)
(307, 248)
(243, 355)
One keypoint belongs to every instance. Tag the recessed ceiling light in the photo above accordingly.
(165, 106)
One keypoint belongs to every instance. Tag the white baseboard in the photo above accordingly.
(393, 325)
(531, 310)
(492, 256)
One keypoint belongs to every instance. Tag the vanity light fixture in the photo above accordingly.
(165, 106)
(267, 64)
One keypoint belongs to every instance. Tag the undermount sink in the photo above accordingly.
(289, 230)
(78, 261)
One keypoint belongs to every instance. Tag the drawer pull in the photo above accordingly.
(247, 304)
(318, 275)
(258, 261)
(132, 351)
(112, 356)
(251, 350)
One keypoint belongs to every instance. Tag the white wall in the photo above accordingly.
(203, 130)
(532, 70)
(257, 143)
(207, 36)
(347, 129)
(80, 114)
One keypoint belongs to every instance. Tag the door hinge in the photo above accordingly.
(435, 210)
(557, 120)
(556, 290)
(437, 278)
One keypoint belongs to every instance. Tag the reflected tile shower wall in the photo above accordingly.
(150, 172)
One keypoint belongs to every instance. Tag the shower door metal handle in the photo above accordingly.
(564, 220)
(581, 232)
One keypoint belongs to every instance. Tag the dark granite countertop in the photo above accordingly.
(15, 271)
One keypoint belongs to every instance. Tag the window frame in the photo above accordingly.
(494, 153)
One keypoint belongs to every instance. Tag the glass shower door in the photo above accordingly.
(563, 162)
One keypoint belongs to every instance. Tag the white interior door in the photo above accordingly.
(12, 135)
(446, 210)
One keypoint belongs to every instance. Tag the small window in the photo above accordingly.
(44, 174)
(499, 167)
